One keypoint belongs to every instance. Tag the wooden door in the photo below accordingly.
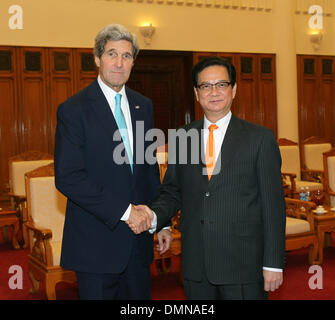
(316, 97)
(60, 86)
(9, 126)
(164, 77)
(85, 69)
(32, 99)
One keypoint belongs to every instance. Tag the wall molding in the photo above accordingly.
(302, 6)
(250, 5)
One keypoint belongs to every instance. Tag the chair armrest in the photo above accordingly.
(300, 210)
(312, 175)
(17, 197)
(39, 239)
(43, 233)
(292, 177)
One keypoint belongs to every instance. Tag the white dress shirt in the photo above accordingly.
(110, 96)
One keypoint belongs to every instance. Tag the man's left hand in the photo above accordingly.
(164, 238)
(272, 280)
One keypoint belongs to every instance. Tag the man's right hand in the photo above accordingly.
(139, 219)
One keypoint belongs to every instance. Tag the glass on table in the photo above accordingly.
(318, 197)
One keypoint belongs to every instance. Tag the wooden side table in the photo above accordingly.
(324, 223)
(8, 217)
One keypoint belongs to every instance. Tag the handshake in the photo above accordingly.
(140, 218)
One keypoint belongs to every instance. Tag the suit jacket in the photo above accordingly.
(99, 190)
(234, 224)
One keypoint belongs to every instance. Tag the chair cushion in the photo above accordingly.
(48, 205)
(303, 184)
(311, 185)
(294, 226)
(19, 168)
(56, 247)
(313, 155)
(290, 160)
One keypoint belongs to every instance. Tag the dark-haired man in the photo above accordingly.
(232, 207)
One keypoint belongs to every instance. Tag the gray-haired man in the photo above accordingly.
(110, 261)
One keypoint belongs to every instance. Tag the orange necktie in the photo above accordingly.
(210, 151)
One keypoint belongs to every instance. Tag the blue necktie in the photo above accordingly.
(121, 123)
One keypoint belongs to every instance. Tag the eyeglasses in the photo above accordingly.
(220, 86)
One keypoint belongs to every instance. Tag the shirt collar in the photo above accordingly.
(109, 92)
(222, 123)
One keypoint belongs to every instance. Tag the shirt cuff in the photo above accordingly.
(273, 269)
(126, 215)
(153, 223)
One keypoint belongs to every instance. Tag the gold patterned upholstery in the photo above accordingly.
(45, 220)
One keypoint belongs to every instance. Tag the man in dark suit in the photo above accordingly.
(96, 168)
(232, 207)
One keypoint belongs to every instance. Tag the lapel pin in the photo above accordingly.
(137, 107)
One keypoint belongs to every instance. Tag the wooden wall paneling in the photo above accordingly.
(161, 75)
(267, 91)
(247, 107)
(33, 105)
(9, 136)
(316, 97)
(327, 90)
(307, 96)
(85, 68)
(60, 85)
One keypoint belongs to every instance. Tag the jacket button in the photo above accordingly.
(207, 194)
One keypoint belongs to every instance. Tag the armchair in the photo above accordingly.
(18, 166)
(312, 159)
(291, 170)
(329, 181)
(45, 215)
(300, 231)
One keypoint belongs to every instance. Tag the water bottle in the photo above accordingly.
(302, 194)
(307, 194)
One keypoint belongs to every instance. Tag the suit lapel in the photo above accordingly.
(101, 107)
(200, 168)
(230, 144)
(104, 113)
(134, 117)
